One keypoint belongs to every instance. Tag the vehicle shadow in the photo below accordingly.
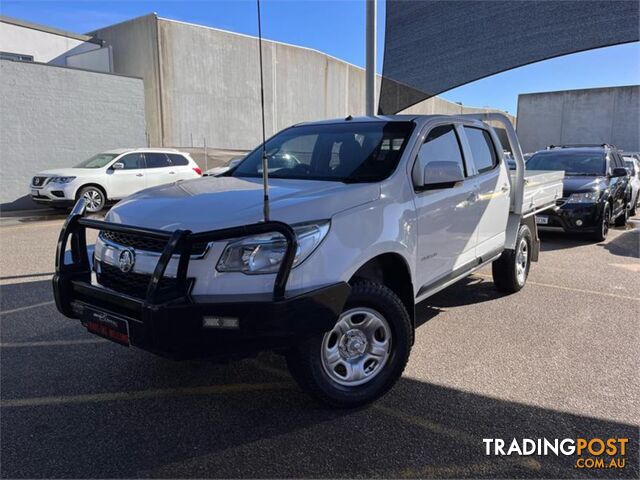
(626, 244)
(257, 423)
(551, 241)
(468, 291)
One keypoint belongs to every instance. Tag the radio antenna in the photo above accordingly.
(265, 171)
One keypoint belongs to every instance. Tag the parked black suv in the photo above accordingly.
(596, 188)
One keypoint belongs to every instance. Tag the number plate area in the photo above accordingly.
(106, 325)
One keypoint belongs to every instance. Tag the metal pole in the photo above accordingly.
(206, 157)
(370, 58)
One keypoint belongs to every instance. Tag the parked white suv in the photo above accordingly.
(368, 217)
(111, 175)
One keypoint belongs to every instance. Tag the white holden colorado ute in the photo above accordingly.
(369, 216)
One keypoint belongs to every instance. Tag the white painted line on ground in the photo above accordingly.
(142, 394)
(53, 343)
(571, 289)
(21, 309)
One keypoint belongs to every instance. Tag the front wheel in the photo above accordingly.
(94, 197)
(600, 235)
(511, 270)
(363, 356)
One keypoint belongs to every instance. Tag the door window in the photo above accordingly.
(482, 149)
(131, 161)
(157, 160)
(178, 160)
(440, 156)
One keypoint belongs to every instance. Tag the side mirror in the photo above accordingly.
(619, 172)
(118, 166)
(437, 175)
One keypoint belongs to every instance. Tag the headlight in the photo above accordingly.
(62, 179)
(588, 197)
(264, 253)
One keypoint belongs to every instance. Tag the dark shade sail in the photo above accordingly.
(432, 46)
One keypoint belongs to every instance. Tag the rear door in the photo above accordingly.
(183, 168)
(491, 179)
(447, 216)
(129, 179)
(159, 169)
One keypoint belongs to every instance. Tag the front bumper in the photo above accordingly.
(54, 194)
(566, 217)
(172, 323)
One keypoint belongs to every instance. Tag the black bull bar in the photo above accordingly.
(170, 322)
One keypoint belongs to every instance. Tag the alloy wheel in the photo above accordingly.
(94, 200)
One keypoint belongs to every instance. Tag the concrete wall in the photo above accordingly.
(203, 83)
(56, 117)
(598, 115)
(43, 46)
(134, 45)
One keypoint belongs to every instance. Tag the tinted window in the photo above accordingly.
(178, 160)
(130, 161)
(347, 152)
(484, 155)
(573, 163)
(440, 152)
(156, 160)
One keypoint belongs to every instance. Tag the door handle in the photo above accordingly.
(172, 173)
(139, 175)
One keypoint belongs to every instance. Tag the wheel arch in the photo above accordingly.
(92, 184)
(392, 270)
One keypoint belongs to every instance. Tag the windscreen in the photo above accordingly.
(432, 46)
(97, 161)
(344, 152)
(591, 164)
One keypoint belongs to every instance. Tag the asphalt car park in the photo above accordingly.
(560, 359)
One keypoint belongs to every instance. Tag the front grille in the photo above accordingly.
(133, 284)
(147, 244)
(38, 181)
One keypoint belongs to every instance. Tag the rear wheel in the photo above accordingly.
(600, 235)
(511, 270)
(94, 197)
(363, 356)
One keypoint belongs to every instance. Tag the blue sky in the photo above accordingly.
(336, 27)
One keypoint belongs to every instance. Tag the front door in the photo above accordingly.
(447, 216)
(130, 179)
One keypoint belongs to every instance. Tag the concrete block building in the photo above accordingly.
(594, 115)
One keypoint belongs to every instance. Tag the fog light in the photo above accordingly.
(220, 322)
(579, 223)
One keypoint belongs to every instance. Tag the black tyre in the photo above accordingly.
(95, 198)
(600, 235)
(621, 220)
(511, 270)
(363, 356)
